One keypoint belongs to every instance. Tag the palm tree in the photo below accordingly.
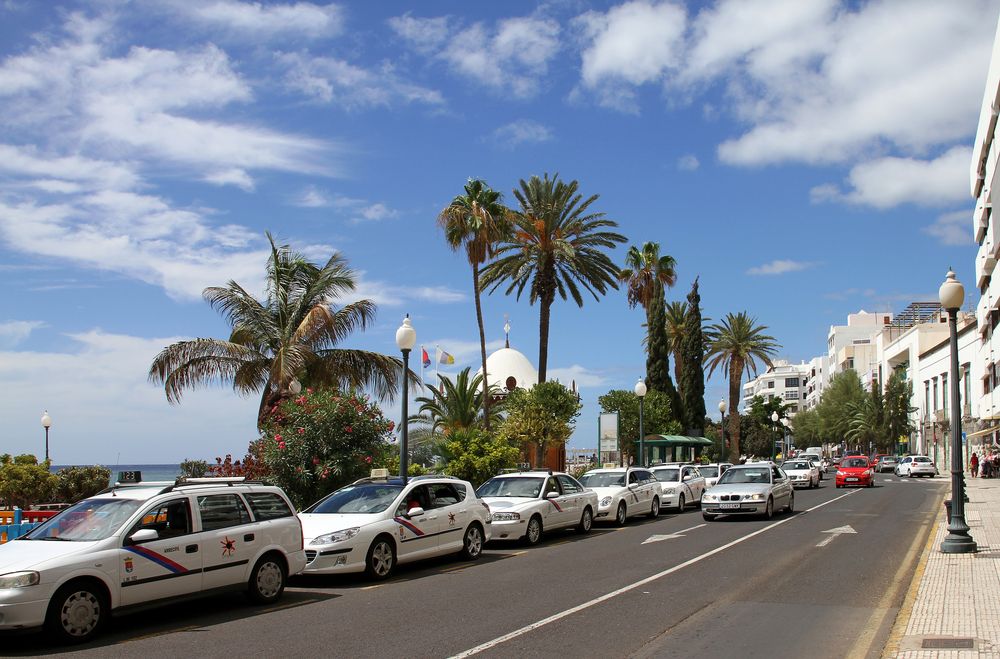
(646, 272)
(457, 405)
(676, 313)
(736, 344)
(478, 221)
(294, 333)
(556, 247)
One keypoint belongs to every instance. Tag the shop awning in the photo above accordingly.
(980, 433)
(677, 440)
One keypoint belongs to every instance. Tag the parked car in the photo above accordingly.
(624, 492)
(756, 489)
(680, 485)
(916, 465)
(887, 463)
(525, 504)
(816, 459)
(142, 542)
(801, 472)
(711, 472)
(876, 460)
(373, 524)
(855, 471)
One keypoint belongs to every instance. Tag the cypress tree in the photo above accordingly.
(658, 352)
(692, 373)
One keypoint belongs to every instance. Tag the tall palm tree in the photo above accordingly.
(294, 333)
(457, 405)
(646, 272)
(736, 344)
(676, 313)
(556, 247)
(478, 221)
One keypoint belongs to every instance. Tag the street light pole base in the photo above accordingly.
(958, 544)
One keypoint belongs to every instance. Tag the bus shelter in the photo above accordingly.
(674, 448)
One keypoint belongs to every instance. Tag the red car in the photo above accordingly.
(855, 471)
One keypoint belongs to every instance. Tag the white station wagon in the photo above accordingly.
(524, 504)
(624, 492)
(374, 523)
(145, 542)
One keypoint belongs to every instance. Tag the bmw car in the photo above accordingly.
(758, 488)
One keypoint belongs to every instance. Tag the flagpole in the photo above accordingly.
(437, 363)
(423, 382)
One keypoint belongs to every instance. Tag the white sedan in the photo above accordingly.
(680, 485)
(711, 472)
(801, 472)
(373, 524)
(526, 503)
(624, 492)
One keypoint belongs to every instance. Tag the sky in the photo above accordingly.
(803, 160)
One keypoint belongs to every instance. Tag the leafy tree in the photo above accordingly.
(544, 415)
(457, 404)
(844, 392)
(76, 483)
(320, 440)
(658, 357)
(807, 428)
(478, 221)
(194, 468)
(736, 345)
(657, 416)
(252, 466)
(897, 419)
(758, 430)
(676, 313)
(23, 481)
(556, 247)
(692, 356)
(294, 333)
(477, 456)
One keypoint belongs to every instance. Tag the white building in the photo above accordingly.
(851, 346)
(816, 382)
(782, 380)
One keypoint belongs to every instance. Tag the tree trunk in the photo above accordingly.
(544, 312)
(735, 379)
(540, 455)
(482, 348)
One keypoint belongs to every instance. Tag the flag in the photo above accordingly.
(445, 358)
(425, 357)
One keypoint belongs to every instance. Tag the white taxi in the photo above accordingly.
(623, 492)
(145, 542)
(680, 485)
(524, 504)
(376, 523)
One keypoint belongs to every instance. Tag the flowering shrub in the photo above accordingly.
(251, 467)
(316, 442)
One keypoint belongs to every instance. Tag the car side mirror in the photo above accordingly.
(552, 495)
(415, 511)
(143, 535)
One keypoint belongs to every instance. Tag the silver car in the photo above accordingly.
(751, 489)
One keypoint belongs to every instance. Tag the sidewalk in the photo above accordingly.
(953, 607)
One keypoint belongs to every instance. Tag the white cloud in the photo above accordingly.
(235, 176)
(357, 210)
(311, 197)
(892, 181)
(953, 229)
(779, 267)
(375, 212)
(688, 163)
(522, 131)
(297, 20)
(440, 294)
(13, 332)
(583, 376)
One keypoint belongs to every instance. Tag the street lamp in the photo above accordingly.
(774, 427)
(640, 391)
(46, 423)
(406, 337)
(784, 440)
(722, 427)
(958, 541)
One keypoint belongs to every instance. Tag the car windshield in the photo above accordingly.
(511, 487)
(667, 475)
(603, 479)
(709, 472)
(854, 462)
(363, 499)
(798, 464)
(86, 521)
(733, 476)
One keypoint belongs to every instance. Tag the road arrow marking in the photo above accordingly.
(840, 530)
(679, 534)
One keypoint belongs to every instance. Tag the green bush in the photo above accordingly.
(24, 482)
(477, 456)
(194, 468)
(76, 483)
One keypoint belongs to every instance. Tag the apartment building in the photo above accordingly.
(783, 380)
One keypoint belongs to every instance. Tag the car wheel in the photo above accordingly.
(586, 521)
(654, 511)
(622, 515)
(267, 581)
(381, 559)
(708, 517)
(534, 531)
(769, 508)
(472, 544)
(681, 503)
(77, 612)
(791, 502)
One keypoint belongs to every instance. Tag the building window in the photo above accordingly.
(944, 393)
(850, 363)
(935, 408)
(770, 384)
(966, 388)
(791, 382)
(791, 395)
(927, 396)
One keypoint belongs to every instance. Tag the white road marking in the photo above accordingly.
(642, 582)
(840, 530)
(678, 534)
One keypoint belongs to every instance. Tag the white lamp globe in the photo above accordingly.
(951, 293)
(406, 336)
(640, 388)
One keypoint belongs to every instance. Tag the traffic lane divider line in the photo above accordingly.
(642, 582)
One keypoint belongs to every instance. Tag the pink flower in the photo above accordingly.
(309, 391)
(301, 400)
(298, 469)
(392, 426)
(281, 446)
(302, 431)
(277, 438)
(315, 460)
(349, 429)
(368, 459)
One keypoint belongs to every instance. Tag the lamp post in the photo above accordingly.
(406, 337)
(958, 541)
(46, 423)
(722, 433)
(640, 391)
(774, 424)
(784, 440)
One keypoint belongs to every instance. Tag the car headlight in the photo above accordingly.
(710, 497)
(506, 517)
(19, 579)
(841, 473)
(756, 497)
(336, 536)
(605, 502)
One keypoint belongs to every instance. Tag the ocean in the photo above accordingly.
(149, 472)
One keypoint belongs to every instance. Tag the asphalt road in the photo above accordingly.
(734, 587)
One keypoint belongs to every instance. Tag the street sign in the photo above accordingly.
(607, 429)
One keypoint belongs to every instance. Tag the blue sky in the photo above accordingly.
(804, 159)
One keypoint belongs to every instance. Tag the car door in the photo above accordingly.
(416, 534)
(634, 497)
(170, 565)
(695, 482)
(781, 488)
(230, 536)
(567, 506)
(450, 514)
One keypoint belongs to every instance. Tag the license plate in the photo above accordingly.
(851, 480)
(729, 505)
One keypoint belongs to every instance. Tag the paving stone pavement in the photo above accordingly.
(955, 598)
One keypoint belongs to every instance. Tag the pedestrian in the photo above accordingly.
(974, 464)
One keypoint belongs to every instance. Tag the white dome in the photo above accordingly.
(509, 369)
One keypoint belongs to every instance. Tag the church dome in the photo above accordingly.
(509, 369)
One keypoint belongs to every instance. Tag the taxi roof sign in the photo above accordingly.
(129, 476)
(380, 473)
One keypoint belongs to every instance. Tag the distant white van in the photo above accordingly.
(818, 450)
